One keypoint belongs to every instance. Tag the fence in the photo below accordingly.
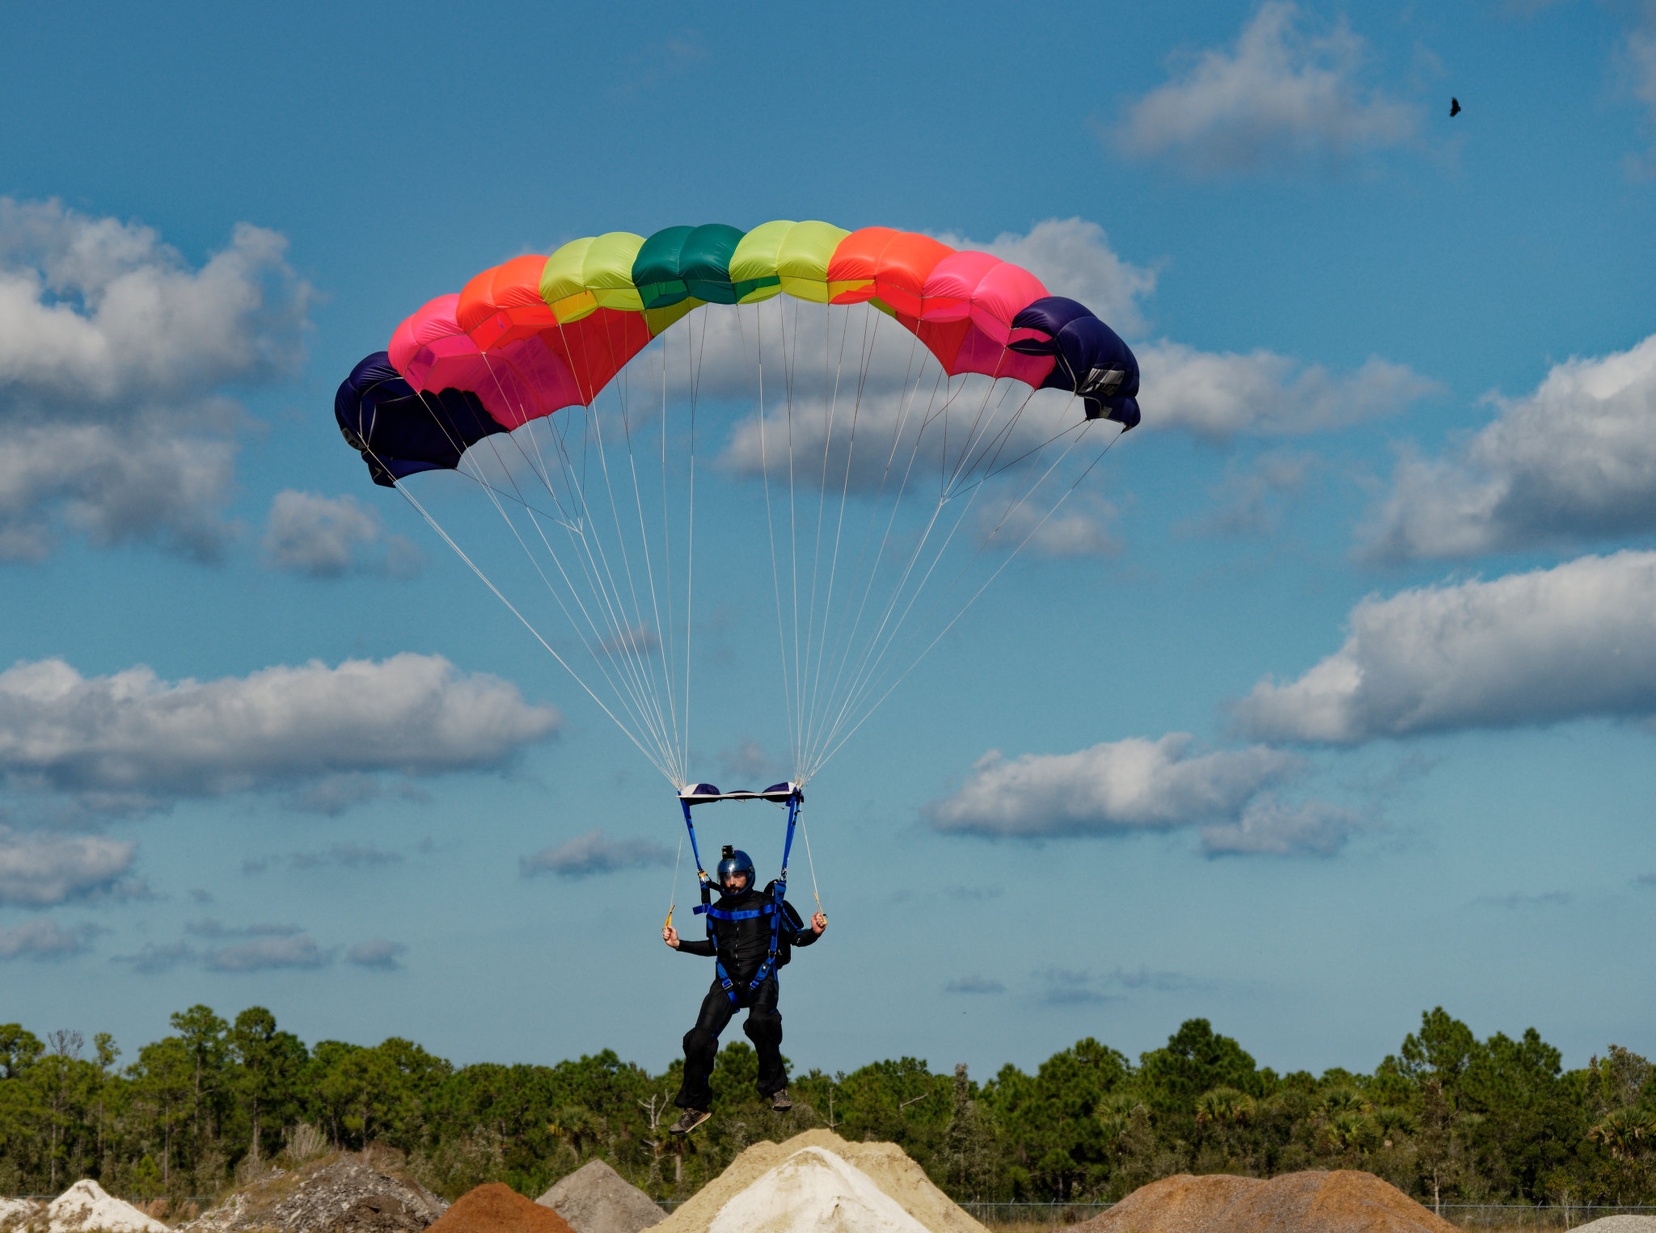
(1491, 1216)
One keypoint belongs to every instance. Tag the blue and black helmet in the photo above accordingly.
(735, 861)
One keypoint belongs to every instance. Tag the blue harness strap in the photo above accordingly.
(774, 909)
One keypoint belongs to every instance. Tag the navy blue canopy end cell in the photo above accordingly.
(401, 432)
(1093, 361)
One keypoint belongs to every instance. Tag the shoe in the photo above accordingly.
(688, 1121)
(780, 1101)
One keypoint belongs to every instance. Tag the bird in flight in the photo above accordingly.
(1454, 106)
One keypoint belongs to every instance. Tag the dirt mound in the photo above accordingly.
(597, 1199)
(886, 1163)
(338, 1194)
(1619, 1224)
(1343, 1201)
(85, 1206)
(497, 1208)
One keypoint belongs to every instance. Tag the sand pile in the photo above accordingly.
(85, 1206)
(597, 1199)
(496, 1208)
(17, 1211)
(1343, 1201)
(339, 1194)
(814, 1191)
(886, 1164)
(1619, 1224)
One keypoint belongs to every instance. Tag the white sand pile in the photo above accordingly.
(85, 1207)
(17, 1211)
(886, 1164)
(597, 1199)
(1619, 1224)
(814, 1191)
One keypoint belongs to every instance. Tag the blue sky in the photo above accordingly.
(1340, 706)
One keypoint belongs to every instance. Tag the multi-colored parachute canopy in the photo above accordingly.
(887, 459)
(537, 334)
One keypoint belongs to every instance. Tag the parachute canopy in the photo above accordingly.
(536, 334)
(876, 400)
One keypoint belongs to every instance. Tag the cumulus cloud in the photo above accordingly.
(1547, 646)
(263, 954)
(1574, 460)
(1282, 97)
(114, 355)
(135, 740)
(1128, 785)
(1080, 527)
(331, 537)
(595, 853)
(40, 869)
(380, 953)
(1272, 827)
(43, 939)
(1216, 395)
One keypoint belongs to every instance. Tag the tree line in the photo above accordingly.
(1448, 1118)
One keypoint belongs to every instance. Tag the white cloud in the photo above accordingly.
(113, 356)
(1570, 642)
(43, 939)
(1216, 395)
(1127, 785)
(595, 853)
(135, 738)
(44, 868)
(264, 954)
(1073, 258)
(1271, 827)
(380, 953)
(329, 537)
(1573, 460)
(1080, 527)
(1281, 98)
(151, 478)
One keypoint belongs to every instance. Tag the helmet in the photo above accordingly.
(734, 861)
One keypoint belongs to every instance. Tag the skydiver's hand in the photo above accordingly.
(819, 922)
(670, 936)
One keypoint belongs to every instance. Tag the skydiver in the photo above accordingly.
(741, 953)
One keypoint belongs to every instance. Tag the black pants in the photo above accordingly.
(701, 1043)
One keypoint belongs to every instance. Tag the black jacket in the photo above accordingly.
(743, 944)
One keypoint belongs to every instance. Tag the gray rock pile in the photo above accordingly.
(345, 1194)
(597, 1199)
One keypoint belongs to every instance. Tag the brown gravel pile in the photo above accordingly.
(497, 1208)
(597, 1199)
(338, 1194)
(1342, 1201)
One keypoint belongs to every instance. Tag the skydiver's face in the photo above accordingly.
(735, 883)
